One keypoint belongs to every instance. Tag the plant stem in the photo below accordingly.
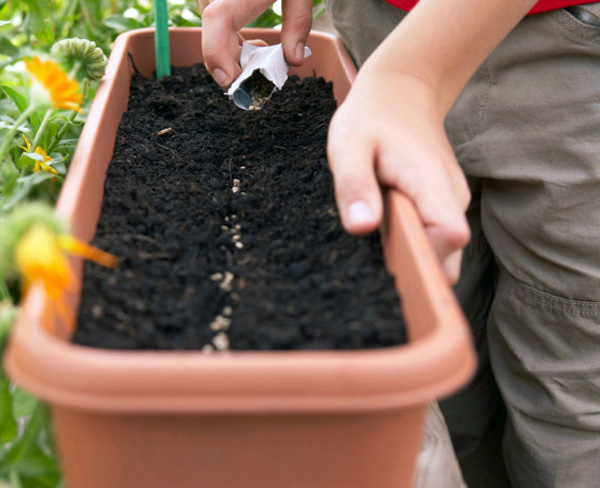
(5, 147)
(42, 128)
(57, 138)
(15, 482)
(68, 16)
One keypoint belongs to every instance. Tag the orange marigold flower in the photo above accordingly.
(54, 84)
(42, 257)
(39, 165)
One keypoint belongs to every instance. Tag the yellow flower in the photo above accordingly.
(41, 256)
(39, 165)
(52, 86)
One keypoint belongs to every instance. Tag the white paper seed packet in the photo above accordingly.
(264, 71)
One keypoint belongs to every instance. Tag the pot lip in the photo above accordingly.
(75, 376)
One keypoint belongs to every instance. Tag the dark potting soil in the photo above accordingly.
(227, 232)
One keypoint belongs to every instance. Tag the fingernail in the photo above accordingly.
(299, 53)
(359, 213)
(220, 77)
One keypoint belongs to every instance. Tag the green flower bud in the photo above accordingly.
(81, 53)
(17, 224)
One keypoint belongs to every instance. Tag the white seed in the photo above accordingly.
(227, 280)
(239, 245)
(97, 311)
(221, 341)
(235, 189)
(226, 219)
(220, 323)
(236, 182)
(242, 167)
(237, 227)
(224, 227)
(227, 311)
(236, 237)
(208, 348)
(216, 277)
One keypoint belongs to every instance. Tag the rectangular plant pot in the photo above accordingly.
(326, 419)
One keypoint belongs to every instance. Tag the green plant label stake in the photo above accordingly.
(161, 39)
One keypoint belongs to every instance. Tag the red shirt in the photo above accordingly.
(541, 6)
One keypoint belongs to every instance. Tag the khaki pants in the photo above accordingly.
(526, 130)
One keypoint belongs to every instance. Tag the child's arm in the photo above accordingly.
(390, 129)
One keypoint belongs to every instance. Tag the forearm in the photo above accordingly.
(441, 43)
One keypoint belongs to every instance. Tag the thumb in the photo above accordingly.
(297, 21)
(451, 265)
(356, 187)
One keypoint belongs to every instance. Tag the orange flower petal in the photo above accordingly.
(74, 246)
(62, 90)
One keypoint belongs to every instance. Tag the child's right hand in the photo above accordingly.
(389, 131)
(222, 19)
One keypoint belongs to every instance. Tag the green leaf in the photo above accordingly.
(38, 22)
(22, 187)
(268, 19)
(8, 425)
(19, 99)
(23, 403)
(7, 48)
(121, 23)
(7, 122)
(193, 8)
(49, 481)
(8, 187)
(50, 132)
(68, 144)
(34, 463)
(179, 21)
(22, 103)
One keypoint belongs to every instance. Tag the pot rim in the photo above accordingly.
(436, 363)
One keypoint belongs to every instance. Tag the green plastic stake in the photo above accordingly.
(161, 39)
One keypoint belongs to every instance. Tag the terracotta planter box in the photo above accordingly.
(245, 419)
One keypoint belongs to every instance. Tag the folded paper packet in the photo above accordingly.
(264, 71)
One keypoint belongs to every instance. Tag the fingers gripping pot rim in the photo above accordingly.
(264, 72)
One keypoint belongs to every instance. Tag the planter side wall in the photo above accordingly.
(262, 451)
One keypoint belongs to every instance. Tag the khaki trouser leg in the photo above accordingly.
(476, 414)
(533, 139)
(526, 130)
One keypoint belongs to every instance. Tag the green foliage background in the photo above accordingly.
(27, 27)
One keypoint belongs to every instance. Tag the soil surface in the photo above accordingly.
(227, 232)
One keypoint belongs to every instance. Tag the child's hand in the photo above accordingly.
(222, 19)
(390, 132)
